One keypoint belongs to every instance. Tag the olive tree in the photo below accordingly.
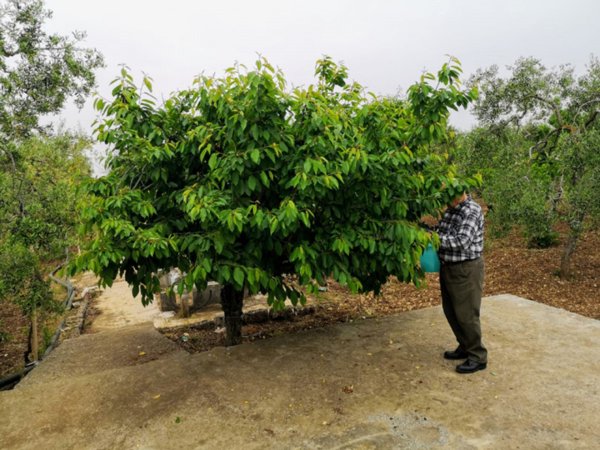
(39, 72)
(556, 113)
(242, 180)
(515, 191)
(38, 218)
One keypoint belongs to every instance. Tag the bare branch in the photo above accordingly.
(583, 105)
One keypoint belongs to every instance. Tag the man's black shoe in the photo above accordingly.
(470, 366)
(456, 354)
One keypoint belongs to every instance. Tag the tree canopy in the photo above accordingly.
(242, 181)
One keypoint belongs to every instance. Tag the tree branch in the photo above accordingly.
(540, 145)
(554, 107)
(583, 105)
(589, 122)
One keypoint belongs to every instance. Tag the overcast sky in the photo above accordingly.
(385, 44)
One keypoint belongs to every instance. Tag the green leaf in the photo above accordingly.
(265, 179)
(212, 162)
(148, 84)
(225, 273)
(206, 264)
(305, 219)
(273, 224)
(219, 244)
(238, 276)
(254, 132)
(252, 183)
(307, 166)
(99, 104)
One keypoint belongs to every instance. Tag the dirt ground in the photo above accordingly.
(13, 346)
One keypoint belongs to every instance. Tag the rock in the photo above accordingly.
(166, 302)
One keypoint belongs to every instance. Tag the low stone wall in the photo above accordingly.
(75, 323)
(258, 315)
(185, 304)
(198, 300)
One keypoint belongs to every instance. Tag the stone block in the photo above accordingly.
(166, 302)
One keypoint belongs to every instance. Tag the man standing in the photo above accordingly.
(461, 280)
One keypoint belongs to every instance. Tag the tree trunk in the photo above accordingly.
(34, 336)
(232, 302)
(565, 261)
(185, 310)
(576, 227)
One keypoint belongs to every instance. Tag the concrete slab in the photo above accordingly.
(379, 383)
(91, 353)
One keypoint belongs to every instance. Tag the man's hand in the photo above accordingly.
(428, 227)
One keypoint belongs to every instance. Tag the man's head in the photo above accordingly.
(458, 200)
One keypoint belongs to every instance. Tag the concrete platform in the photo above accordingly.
(378, 383)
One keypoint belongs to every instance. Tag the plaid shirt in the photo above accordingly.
(461, 232)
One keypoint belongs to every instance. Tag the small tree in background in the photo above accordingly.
(240, 181)
(39, 201)
(554, 113)
(38, 218)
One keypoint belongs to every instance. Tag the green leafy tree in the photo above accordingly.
(240, 181)
(39, 73)
(38, 205)
(22, 282)
(38, 217)
(556, 112)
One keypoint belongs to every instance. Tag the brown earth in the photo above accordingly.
(511, 267)
(13, 346)
(14, 330)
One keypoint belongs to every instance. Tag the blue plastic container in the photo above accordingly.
(430, 262)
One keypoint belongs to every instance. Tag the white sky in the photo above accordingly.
(385, 44)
